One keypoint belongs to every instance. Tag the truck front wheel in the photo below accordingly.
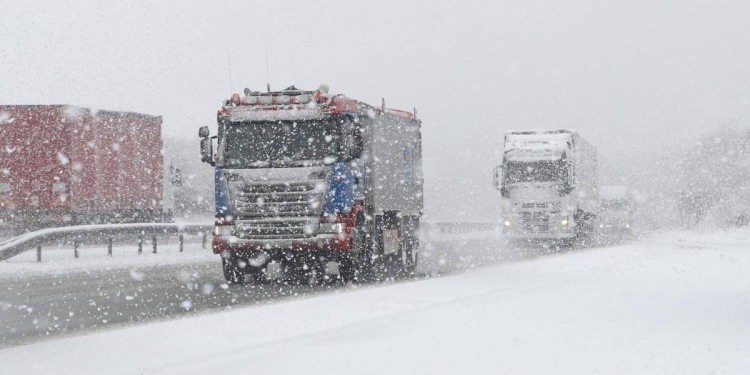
(232, 272)
(237, 270)
(409, 246)
(357, 267)
(304, 269)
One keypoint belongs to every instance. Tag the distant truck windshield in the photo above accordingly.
(615, 204)
(535, 171)
(280, 143)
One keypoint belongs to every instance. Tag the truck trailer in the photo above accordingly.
(548, 185)
(306, 177)
(64, 165)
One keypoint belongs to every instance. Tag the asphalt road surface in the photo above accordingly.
(34, 308)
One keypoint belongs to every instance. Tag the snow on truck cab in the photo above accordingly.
(548, 184)
(303, 178)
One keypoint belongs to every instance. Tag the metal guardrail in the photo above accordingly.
(76, 235)
(460, 227)
(98, 233)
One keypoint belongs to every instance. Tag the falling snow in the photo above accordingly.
(411, 187)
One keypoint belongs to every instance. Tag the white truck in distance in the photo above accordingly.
(548, 184)
(616, 209)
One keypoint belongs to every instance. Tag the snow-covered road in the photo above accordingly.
(671, 303)
(63, 295)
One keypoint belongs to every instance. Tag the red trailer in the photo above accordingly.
(65, 165)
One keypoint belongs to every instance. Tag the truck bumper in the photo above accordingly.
(538, 236)
(553, 233)
(323, 242)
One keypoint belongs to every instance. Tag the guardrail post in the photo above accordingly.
(140, 245)
(204, 239)
(39, 253)
(109, 247)
(153, 240)
(75, 249)
(182, 241)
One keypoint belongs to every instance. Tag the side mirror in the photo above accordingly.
(207, 151)
(352, 145)
(497, 177)
(203, 132)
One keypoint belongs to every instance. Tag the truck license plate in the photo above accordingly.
(390, 241)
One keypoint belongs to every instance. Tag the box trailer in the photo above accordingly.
(66, 165)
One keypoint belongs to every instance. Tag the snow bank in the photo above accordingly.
(674, 303)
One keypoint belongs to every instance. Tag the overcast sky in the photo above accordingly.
(631, 76)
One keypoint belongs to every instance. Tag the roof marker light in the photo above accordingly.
(302, 99)
(235, 99)
(265, 100)
(282, 99)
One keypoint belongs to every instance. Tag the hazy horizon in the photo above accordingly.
(637, 80)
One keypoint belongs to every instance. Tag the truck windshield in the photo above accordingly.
(534, 171)
(280, 143)
(614, 204)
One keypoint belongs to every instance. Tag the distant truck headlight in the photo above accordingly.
(506, 223)
(564, 222)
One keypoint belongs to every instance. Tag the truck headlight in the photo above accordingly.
(506, 223)
(223, 230)
(564, 222)
(336, 228)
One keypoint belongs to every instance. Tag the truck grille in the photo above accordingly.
(539, 205)
(535, 221)
(277, 210)
(277, 200)
(275, 228)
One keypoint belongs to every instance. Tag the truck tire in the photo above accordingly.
(315, 272)
(409, 246)
(304, 269)
(365, 257)
(232, 272)
(357, 267)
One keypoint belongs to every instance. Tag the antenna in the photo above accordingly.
(268, 80)
(229, 68)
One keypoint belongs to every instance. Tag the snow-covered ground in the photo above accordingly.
(673, 302)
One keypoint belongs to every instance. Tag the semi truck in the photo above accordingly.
(64, 165)
(616, 209)
(306, 178)
(548, 185)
